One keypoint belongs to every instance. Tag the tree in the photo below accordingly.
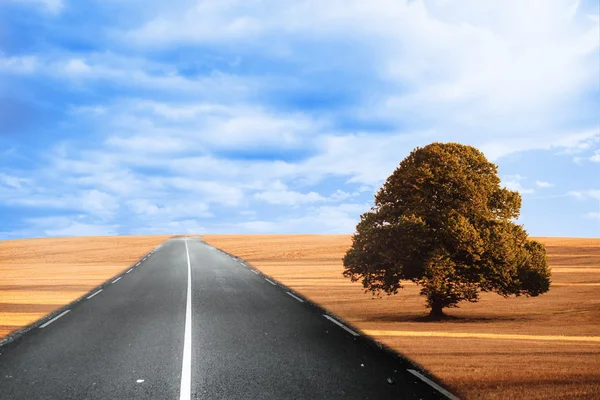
(443, 221)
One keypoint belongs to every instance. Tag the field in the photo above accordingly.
(38, 276)
(521, 348)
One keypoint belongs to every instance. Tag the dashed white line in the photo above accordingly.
(129, 270)
(433, 385)
(93, 294)
(54, 319)
(116, 280)
(185, 391)
(270, 281)
(296, 297)
(255, 271)
(137, 264)
(344, 327)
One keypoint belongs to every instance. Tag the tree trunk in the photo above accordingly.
(437, 309)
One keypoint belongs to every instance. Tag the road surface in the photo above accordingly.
(190, 322)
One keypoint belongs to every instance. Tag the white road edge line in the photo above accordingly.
(270, 281)
(433, 385)
(54, 319)
(296, 297)
(116, 280)
(255, 271)
(93, 294)
(185, 391)
(344, 327)
(137, 264)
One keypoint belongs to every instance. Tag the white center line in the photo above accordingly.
(433, 385)
(129, 270)
(54, 319)
(116, 280)
(185, 391)
(344, 327)
(296, 297)
(255, 271)
(270, 281)
(93, 294)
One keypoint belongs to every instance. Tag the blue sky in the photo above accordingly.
(264, 116)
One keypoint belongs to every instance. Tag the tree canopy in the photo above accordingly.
(443, 221)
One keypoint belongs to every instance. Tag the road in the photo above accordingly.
(190, 322)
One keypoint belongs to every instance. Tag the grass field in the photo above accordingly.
(38, 276)
(520, 348)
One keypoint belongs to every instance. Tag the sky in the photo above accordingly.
(274, 116)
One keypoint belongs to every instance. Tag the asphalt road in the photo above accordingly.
(190, 322)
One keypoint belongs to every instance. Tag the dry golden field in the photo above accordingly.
(521, 348)
(38, 276)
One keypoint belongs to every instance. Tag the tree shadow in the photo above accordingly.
(444, 318)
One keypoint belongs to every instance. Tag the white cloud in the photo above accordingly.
(513, 182)
(593, 215)
(258, 227)
(77, 67)
(280, 195)
(567, 142)
(68, 226)
(246, 213)
(586, 194)
(27, 192)
(289, 197)
(169, 209)
(148, 144)
(187, 226)
(18, 65)
(153, 127)
(97, 203)
(473, 69)
(181, 111)
(596, 156)
(577, 143)
(205, 21)
(79, 229)
(510, 69)
(89, 110)
(323, 219)
(137, 73)
(222, 192)
(364, 158)
(340, 195)
(543, 184)
(14, 182)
